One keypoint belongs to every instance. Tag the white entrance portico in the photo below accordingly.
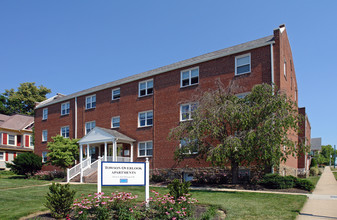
(104, 144)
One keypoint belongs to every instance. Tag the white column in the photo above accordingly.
(114, 150)
(105, 151)
(81, 159)
(131, 153)
(88, 150)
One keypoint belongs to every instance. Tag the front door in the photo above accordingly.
(94, 151)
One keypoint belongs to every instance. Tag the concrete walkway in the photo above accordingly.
(322, 203)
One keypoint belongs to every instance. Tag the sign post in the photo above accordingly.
(124, 174)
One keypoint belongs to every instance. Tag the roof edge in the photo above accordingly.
(160, 70)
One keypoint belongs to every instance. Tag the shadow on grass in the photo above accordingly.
(17, 177)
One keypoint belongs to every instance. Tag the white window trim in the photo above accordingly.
(15, 139)
(68, 129)
(90, 102)
(141, 142)
(285, 68)
(30, 141)
(4, 156)
(119, 121)
(43, 135)
(145, 119)
(112, 93)
(190, 77)
(145, 81)
(85, 126)
(250, 64)
(45, 117)
(65, 103)
(190, 112)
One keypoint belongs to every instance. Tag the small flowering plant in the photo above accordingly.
(101, 206)
(166, 207)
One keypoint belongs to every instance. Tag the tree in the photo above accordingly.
(62, 151)
(239, 131)
(25, 164)
(23, 100)
(324, 156)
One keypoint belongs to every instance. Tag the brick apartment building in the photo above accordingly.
(15, 137)
(132, 117)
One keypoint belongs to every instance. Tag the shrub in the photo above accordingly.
(25, 164)
(48, 175)
(157, 177)
(210, 178)
(313, 162)
(304, 184)
(179, 189)
(275, 181)
(119, 205)
(314, 171)
(59, 200)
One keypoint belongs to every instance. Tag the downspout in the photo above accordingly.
(75, 117)
(272, 77)
(272, 66)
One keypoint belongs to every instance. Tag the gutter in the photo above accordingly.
(75, 117)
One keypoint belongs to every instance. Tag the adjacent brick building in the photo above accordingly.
(144, 107)
(15, 137)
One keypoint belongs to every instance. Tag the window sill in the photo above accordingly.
(145, 96)
(148, 126)
(246, 73)
(115, 100)
(44, 119)
(90, 109)
(115, 127)
(144, 156)
(64, 115)
(188, 86)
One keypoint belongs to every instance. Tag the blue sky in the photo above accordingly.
(69, 46)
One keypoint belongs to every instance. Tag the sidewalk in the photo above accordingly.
(322, 203)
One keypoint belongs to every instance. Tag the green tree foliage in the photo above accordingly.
(60, 199)
(25, 164)
(240, 131)
(23, 100)
(323, 157)
(62, 151)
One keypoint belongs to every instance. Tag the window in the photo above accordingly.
(145, 119)
(44, 135)
(65, 132)
(285, 68)
(242, 95)
(115, 122)
(189, 77)
(65, 107)
(44, 156)
(31, 141)
(45, 114)
(11, 139)
(146, 88)
(242, 64)
(90, 102)
(188, 146)
(186, 111)
(2, 156)
(145, 149)
(116, 94)
(89, 126)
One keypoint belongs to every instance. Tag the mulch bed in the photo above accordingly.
(199, 210)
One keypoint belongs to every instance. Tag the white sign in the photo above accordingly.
(123, 174)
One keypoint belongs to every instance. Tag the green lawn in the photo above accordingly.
(13, 181)
(313, 179)
(15, 203)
